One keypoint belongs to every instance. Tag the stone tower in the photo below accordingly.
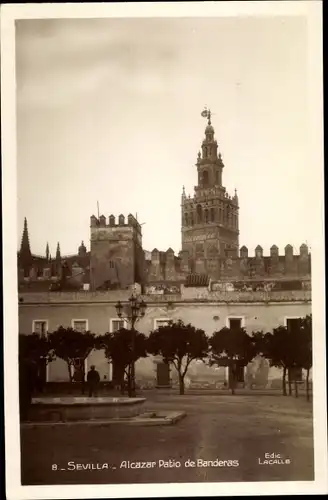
(117, 257)
(209, 218)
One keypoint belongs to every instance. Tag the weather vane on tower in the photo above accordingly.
(206, 113)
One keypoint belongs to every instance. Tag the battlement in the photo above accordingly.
(156, 255)
(218, 192)
(166, 266)
(261, 266)
(121, 221)
(274, 251)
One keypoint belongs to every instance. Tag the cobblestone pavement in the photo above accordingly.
(236, 428)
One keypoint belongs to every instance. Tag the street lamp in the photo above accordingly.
(131, 312)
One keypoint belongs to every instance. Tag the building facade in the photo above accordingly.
(201, 306)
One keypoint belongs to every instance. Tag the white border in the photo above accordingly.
(312, 10)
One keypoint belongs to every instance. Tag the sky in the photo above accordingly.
(109, 111)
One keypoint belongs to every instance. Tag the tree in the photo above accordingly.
(123, 350)
(234, 348)
(73, 347)
(34, 348)
(178, 344)
(34, 352)
(305, 348)
(281, 349)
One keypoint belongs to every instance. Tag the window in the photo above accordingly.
(40, 326)
(292, 324)
(212, 214)
(199, 214)
(186, 219)
(160, 322)
(206, 215)
(235, 322)
(205, 178)
(116, 324)
(80, 325)
(199, 250)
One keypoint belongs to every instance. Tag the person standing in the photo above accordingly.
(93, 379)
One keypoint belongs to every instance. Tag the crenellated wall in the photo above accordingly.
(165, 267)
(118, 260)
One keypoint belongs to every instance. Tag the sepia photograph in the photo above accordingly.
(164, 271)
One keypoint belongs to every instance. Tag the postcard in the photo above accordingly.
(163, 214)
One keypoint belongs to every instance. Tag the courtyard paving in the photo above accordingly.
(241, 429)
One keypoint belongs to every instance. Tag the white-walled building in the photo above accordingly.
(203, 307)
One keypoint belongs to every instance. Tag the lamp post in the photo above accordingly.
(131, 312)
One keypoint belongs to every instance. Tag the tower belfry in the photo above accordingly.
(209, 218)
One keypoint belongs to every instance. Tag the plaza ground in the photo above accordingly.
(243, 427)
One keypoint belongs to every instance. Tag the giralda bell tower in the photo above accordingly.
(209, 218)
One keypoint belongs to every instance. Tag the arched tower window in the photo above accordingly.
(206, 215)
(199, 214)
(191, 219)
(205, 178)
(217, 178)
(186, 219)
(212, 214)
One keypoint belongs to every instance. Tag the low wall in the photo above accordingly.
(80, 408)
